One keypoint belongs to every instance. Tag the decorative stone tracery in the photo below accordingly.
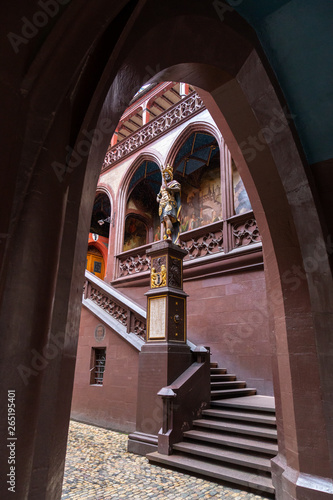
(109, 305)
(246, 233)
(133, 264)
(203, 244)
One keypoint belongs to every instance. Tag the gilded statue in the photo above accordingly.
(169, 205)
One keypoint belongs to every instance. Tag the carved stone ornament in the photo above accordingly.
(170, 118)
(175, 273)
(158, 272)
(200, 246)
(139, 328)
(110, 306)
(246, 233)
(99, 333)
(134, 264)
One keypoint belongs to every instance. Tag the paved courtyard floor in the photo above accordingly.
(99, 467)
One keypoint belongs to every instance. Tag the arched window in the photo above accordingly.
(100, 218)
(142, 223)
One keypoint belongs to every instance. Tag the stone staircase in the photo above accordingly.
(234, 439)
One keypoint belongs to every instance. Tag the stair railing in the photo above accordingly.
(130, 317)
(184, 400)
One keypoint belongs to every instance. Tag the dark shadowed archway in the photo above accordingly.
(75, 84)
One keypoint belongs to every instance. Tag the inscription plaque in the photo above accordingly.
(157, 310)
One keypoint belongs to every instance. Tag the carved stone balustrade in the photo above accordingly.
(170, 118)
(117, 305)
(133, 261)
(199, 243)
(203, 241)
(245, 230)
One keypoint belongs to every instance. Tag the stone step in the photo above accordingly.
(232, 441)
(225, 455)
(236, 428)
(213, 364)
(240, 415)
(230, 384)
(252, 402)
(218, 371)
(220, 472)
(222, 377)
(232, 393)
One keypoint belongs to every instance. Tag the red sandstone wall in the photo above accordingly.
(229, 314)
(226, 313)
(112, 405)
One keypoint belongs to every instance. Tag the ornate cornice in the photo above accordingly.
(166, 121)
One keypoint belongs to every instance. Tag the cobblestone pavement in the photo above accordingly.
(99, 467)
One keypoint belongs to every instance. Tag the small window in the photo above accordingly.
(98, 357)
(97, 267)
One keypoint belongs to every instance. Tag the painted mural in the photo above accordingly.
(201, 199)
(241, 200)
(135, 233)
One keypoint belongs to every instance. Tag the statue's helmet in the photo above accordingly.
(167, 169)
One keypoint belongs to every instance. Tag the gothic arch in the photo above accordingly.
(238, 90)
(124, 187)
(186, 133)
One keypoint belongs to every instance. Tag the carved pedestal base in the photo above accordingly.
(159, 365)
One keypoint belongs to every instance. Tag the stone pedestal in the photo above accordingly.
(166, 354)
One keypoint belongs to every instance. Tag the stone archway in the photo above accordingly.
(40, 332)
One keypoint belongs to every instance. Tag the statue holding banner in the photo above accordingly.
(169, 205)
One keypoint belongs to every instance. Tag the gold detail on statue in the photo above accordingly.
(158, 279)
(169, 201)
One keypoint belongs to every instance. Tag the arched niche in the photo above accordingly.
(140, 221)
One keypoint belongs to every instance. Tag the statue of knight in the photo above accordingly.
(169, 205)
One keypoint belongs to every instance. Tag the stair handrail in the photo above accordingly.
(184, 400)
(118, 311)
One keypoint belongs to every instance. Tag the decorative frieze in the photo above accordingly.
(203, 244)
(165, 121)
(246, 233)
(133, 264)
(139, 328)
(199, 242)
